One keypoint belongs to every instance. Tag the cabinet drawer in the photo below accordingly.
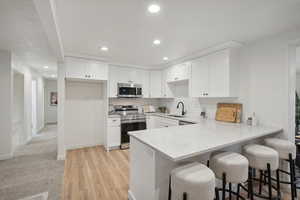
(164, 122)
(113, 121)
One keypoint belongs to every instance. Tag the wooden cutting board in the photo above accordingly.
(229, 112)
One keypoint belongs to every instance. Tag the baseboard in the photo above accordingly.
(6, 156)
(131, 196)
(71, 147)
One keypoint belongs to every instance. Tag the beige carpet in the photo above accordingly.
(33, 170)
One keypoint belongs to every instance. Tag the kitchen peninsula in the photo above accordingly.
(155, 152)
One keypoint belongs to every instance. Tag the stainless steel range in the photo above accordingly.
(131, 120)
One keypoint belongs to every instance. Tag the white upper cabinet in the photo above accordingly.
(200, 78)
(119, 74)
(215, 75)
(178, 72)
(155, 84)
(77, 68)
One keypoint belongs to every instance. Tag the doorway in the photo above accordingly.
(34, 107)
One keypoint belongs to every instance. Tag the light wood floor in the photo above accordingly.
(94, 174)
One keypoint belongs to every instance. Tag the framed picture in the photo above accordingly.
(53, 98)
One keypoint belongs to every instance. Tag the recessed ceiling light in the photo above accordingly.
(156, 42)
(104, 48)
(154, 8)
(46, 67)
(166, 58)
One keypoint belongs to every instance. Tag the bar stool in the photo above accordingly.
(231, 168)
(287, 152)
(192, 182)
(266, 159)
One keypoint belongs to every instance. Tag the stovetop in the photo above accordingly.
(129, 113)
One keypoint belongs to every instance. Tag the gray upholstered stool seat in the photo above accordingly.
(233, 164)
(195, 179)
(259, 156)
(283, 147)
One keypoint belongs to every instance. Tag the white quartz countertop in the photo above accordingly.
(181, 142)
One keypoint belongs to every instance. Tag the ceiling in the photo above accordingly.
(184, 27)
(23, 34)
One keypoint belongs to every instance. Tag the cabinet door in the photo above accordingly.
(150, 121)
(117, 75)
(200, 78)
(155, 84)
(142, 77)
(219, 74)
(114, 136)
(97, 70)
(182, 71)
(75, 68)
(166, 88)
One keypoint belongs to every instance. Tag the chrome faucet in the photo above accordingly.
(182, 112)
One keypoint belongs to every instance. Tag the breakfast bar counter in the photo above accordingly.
(155, 152)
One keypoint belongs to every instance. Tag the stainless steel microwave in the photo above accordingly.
(130, 90)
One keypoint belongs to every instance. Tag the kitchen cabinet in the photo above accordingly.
(166, 88)
(178, 72)
(119, 74)
(150, 122)
(155, 88)
(77, 68)
(160, 122)
(215, 75)
(113, 133)
(166, 122)
(176, 81)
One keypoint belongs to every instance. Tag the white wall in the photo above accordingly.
(6, 86)
(265, 80)
(50, 111)
(18, 136)
(30, 75)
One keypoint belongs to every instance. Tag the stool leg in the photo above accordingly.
(250, 184)
(224, 186)
(184, 196)
(238, 192)
(295, 179)
(207, 163)
(170, 190)
(260, 180)
(217, 194)
(269, 181)
(230, 191)
(292, 177)
(278, 184)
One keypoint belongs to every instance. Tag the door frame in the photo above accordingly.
(34, 101)
(292, 45)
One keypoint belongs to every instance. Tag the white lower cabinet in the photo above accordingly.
(160, 122)
(113, 133)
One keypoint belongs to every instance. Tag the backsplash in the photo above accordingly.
(133, 101)
(194, 106)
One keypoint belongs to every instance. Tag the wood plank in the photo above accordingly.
(94, 174)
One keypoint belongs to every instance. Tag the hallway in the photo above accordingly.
(34, 169)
